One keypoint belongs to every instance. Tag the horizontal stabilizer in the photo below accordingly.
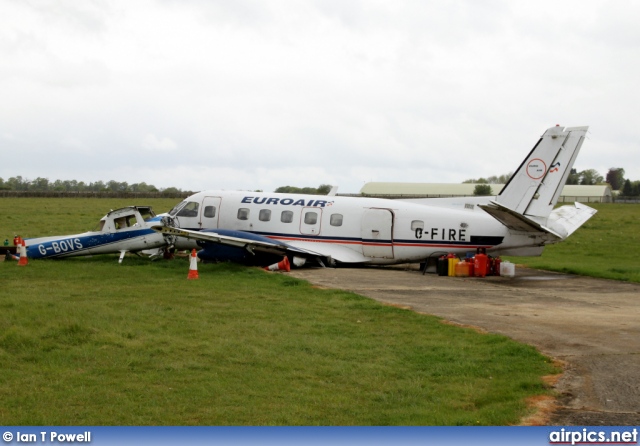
(562, 222)
(514, 220)
(569, 218)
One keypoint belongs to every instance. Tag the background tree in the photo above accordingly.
(615, 177)
(574, 177)
(142, 187)
(323, 189)
(17, 183)
(473, 180)
(44, 185)
(630, 188)
(482, 190)
(493, 179)
(40, 184)
(98, 186)
(590, 177)
(169, 191)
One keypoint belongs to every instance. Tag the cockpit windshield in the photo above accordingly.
(186, 209)
(146, 213)
(100, 226)
(177, 208)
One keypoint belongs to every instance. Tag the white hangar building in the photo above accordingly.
(570, 193)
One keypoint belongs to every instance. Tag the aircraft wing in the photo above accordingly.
(239, 239)
(254, 243)
(336, 252)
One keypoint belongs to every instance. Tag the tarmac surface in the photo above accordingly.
(592, 326)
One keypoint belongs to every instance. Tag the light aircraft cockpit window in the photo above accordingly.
(336, 220)
(189, 210)
(210, 211)
(417, 224)
(311, 218)
(265, 215)
(286, 216)
(126, 221)
(243, 214)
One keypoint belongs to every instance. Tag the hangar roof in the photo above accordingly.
(465, 189)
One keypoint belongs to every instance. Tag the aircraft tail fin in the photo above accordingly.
(527, 200)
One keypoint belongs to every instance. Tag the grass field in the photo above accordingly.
(87, 341)
(606, 246)
(39, 217)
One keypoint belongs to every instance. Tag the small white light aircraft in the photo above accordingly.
(260, 228)
(123, 230)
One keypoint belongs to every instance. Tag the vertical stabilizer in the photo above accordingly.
(527, 201)
(534, 189)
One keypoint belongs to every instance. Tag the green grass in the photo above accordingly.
(606, 246)
(88, 341)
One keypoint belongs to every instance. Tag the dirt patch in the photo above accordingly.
(591, 325)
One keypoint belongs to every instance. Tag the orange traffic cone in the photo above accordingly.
(282, 265)
(23, 255)
(193, 266)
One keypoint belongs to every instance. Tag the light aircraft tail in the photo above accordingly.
(526, 202)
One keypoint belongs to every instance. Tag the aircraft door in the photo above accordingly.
(310, 221)
(210, 215)
(377, 233)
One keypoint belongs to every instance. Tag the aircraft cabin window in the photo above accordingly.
(243, 214)
(265, 215)
(311, 218)
(210, 211)
(417, 224)
(131, 220)
(286, 216)
(336, 220)
(189, 210)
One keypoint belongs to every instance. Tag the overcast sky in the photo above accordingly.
(256, 94)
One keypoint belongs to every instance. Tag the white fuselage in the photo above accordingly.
(377, 231)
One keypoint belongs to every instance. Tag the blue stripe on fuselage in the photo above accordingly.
(76, 244)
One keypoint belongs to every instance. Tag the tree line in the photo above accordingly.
(21, 184)
(323, 189)
(615, 179)
(626, 188)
